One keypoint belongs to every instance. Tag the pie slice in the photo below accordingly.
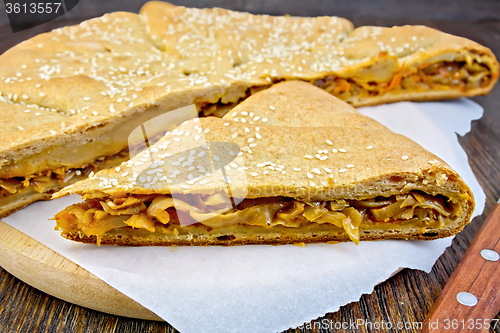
(70, 98)
(216, 181)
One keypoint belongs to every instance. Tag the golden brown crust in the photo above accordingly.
(277, 238)
(12, 207)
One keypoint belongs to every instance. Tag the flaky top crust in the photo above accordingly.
(88, 78)
(361, 161)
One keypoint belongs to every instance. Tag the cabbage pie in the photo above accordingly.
(70, 98)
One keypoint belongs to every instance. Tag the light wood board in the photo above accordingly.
(50, 272)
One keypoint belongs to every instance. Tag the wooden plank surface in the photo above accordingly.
(407, 297)
(48, 271)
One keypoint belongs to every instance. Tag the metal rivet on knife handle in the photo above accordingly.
(466, 298)
(490, 255)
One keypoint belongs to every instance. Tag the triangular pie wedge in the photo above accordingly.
(216, 181)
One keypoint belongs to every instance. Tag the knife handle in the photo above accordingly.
(475, 280)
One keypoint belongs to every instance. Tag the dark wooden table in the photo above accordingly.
(405, 298)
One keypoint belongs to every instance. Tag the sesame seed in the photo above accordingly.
(328, 142)
(233, 165)
(252, 145)
(342, 170)
(177, 139)
(250, 140)
(328, 170)
(255, 174)
(86, 98)
(53, 132)
(334, 150)
(350, 165)
(256, 118)
(20, 128)
(308, 157)
(369, 147)
(247, 129)
(26, 110)
(316, 171)
(270, 107)
(404, 158)
(264, 120)
(225, 124)
(297, 169)
(266, 172)
(258, 136)
(322, 158)
(342, 150)
(78, 172)
(117, 169)
(197, 137)
(309, 175)
(234, 135)
(244, 113)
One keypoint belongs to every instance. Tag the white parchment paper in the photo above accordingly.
(260, 288)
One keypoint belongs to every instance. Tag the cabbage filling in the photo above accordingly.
(60, 177)
(94, 217)
(443, 75)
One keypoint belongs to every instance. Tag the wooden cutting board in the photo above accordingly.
(50, 272)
